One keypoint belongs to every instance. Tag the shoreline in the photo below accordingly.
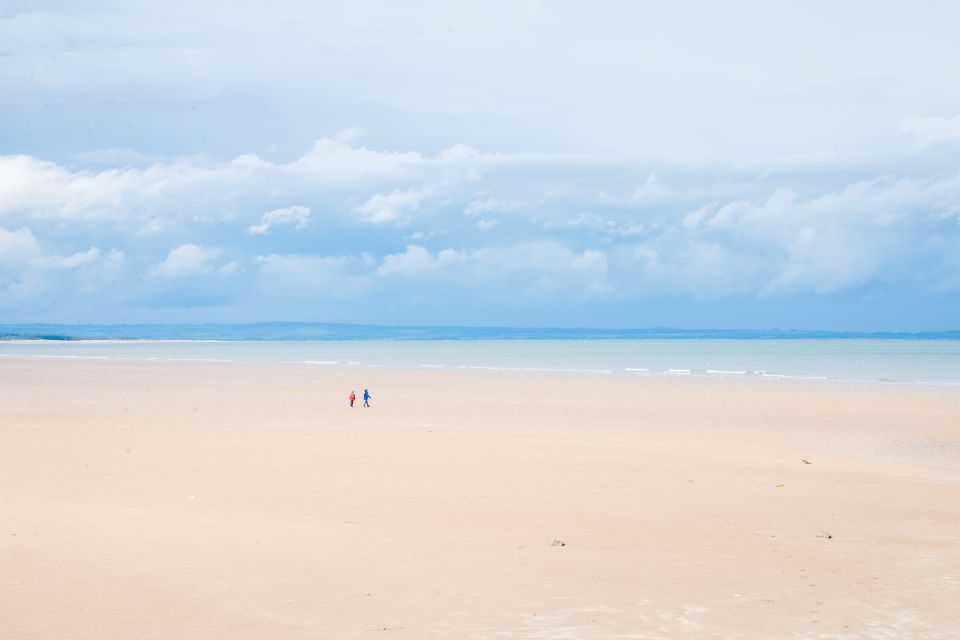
(626, 372)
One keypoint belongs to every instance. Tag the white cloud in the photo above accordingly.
(415, 260)
(680, 266)
(826, 261)
(596, 225)
(932, 130)
(34, 278)
(422, 236)
(167, 195)
(78, 259)
(590, 260)
(297, 216)
(631, 229)
(583, 232)
(17, 247)
(478, 207)
(151, 226)
(21, 250)
(231, 267)
(391, 207)
(186, 260)
(529, 268)
(459, 152)
(694, 218)
(787, 242)
(338, 162)
(317, 278)
(652, 190)
(115, 258)
(44, 189)
(542, 269)
(720, 169)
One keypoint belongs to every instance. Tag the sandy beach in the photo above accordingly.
(212, 500)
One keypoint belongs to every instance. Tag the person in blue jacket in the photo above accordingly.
(366, 398)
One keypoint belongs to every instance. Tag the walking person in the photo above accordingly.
(366, 398)
(353, 398)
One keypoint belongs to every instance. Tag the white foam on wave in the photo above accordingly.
(938, 383)
(562, 370)
(535, 369)
(726, 372)
(491, 368)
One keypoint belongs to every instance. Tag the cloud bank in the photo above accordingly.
(501, 163)
(571, 232)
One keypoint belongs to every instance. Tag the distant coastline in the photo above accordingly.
(309, 332)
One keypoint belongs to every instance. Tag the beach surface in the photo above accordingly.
(213, 500)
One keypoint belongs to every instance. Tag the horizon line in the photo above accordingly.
(294, 330)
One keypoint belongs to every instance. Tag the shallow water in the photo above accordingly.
(934, 362)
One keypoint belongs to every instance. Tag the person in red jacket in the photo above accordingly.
(353, 397)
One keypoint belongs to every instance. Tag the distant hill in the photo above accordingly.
(301, 331)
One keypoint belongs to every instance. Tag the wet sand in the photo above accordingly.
(200, 500)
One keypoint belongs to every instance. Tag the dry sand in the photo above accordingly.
(185, 500)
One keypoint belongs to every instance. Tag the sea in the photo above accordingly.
(912, 359)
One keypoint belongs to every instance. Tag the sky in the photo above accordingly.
(607, 164)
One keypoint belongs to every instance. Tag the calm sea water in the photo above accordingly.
(935, 362)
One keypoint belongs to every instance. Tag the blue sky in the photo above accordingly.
(749, 165)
